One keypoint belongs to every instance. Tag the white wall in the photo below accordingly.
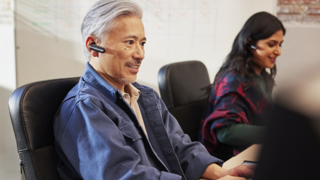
(300, 58)
(9, 161)
(49, 46)
(49, 40)
(210, 45)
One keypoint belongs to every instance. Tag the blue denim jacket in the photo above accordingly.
(98, 137)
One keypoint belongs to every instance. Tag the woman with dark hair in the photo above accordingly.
(241, 93)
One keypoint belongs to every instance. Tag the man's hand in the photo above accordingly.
(227, 177)
(241, 172)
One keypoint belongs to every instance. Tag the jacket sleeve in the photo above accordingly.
(97, 148)
(193, 156)
(232, 104)
(241, 134)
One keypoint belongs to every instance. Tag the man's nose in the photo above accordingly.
(139, 52)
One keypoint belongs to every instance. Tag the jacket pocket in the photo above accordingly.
(130, 132)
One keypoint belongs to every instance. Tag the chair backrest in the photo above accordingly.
(183, 89)
(32, 108)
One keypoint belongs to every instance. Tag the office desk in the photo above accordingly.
(250, 154)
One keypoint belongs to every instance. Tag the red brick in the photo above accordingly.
(311, 19)
(291, 9)
(312, 10)
(289, 18)
(298, 2)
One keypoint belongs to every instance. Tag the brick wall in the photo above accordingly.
(299, 11)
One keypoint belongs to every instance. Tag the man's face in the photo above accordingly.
(124, 46)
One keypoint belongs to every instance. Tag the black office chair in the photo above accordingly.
(32, 108)
(183, 90)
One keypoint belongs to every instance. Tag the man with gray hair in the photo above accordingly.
(109, 126)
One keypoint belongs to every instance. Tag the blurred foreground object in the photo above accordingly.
(292, 145)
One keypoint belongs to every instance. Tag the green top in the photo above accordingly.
(263, 86)
(241, 134)
(244, 134)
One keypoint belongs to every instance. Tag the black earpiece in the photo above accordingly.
(96, 48)
(253, 46)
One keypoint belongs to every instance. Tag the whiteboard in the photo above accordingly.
(48, 39)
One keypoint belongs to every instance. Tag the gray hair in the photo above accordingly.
(100, 18)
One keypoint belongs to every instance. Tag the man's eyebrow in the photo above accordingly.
(135, 37)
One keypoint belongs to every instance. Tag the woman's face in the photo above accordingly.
(267, 51)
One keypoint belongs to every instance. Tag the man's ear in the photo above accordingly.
(92, 40)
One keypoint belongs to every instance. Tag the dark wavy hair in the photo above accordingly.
(259, 26)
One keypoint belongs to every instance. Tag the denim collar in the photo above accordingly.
(91, 77)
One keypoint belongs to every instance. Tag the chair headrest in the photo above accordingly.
(32, 108)
(183, 82)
